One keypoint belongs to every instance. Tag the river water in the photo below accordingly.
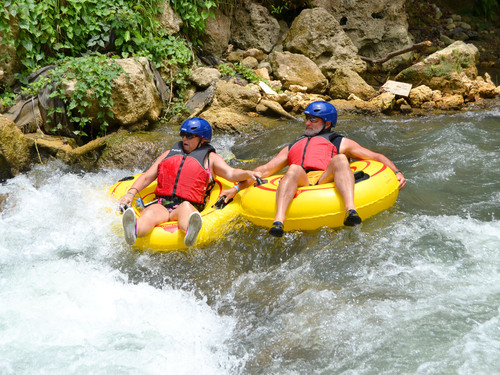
(413, 290)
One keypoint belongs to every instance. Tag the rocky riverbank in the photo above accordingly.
(371, 59)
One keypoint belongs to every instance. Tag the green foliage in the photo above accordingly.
(93, 77)
(194, 14)
(230, 70)
(280, 8)
(8, 98)
(486, 8)
(448, 65)
(51, 30)
(56, 31)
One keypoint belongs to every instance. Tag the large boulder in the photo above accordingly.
(345, 82)
(232, 103)
(137, 150)
(315, 33)
(14, 150)
(170, 21)
(235, 97)
(375, 27)
(450, 70)
(295, 69)
(217, 34)
(253, 26)
(135, 95)
(227, 121)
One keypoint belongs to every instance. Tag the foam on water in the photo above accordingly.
(65, 310)
(413, 290)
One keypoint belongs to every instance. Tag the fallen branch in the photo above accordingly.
(397, 53)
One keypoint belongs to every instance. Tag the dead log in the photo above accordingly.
(397, 53)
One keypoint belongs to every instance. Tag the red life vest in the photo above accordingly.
(184, 175)
(315, 152)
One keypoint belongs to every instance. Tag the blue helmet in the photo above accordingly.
(197, 126)
(323, 110)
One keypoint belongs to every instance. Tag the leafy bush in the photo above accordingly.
(230, 70)
(76, 33)
(94, 85)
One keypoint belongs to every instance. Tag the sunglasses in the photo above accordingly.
(187, 135)
(313, 119)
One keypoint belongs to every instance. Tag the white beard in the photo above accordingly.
(310, 132)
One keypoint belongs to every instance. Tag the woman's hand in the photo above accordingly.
(229, 193)
(126, 200)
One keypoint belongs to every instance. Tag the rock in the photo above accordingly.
(14, 151)
(420, 95)
(452, 102)
(482, 88)
(255, 53)
(228, 121)
(281, 98)
(316, 34)
(272, 108)
(405, 109)
(250, 62)
(253, 27)
(295, 69)
(136, 150)
(345, 82)
(234, 97)
(263, 73)
(376, 28)
(298, 88)
(449, 70)
(385, 101)
(204, 77)
(359, 107)
(135, 96)
(170, 21)
(446, 40)
(217, 34)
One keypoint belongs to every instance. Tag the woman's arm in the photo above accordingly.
(142, 181)
(220, 168)
(274, 165)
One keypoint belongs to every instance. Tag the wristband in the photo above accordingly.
(398, 171)
(237, 187)
(128, 192)
(134, 188)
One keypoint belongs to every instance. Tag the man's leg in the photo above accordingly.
(293, 178)
(340, 172)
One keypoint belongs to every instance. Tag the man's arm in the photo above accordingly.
(277, 163)
(355, 151)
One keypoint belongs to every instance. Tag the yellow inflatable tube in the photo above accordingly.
(322, 205)
(313, 207)
(167, 236)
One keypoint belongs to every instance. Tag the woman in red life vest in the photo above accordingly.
(318, 149)
(185, 176)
